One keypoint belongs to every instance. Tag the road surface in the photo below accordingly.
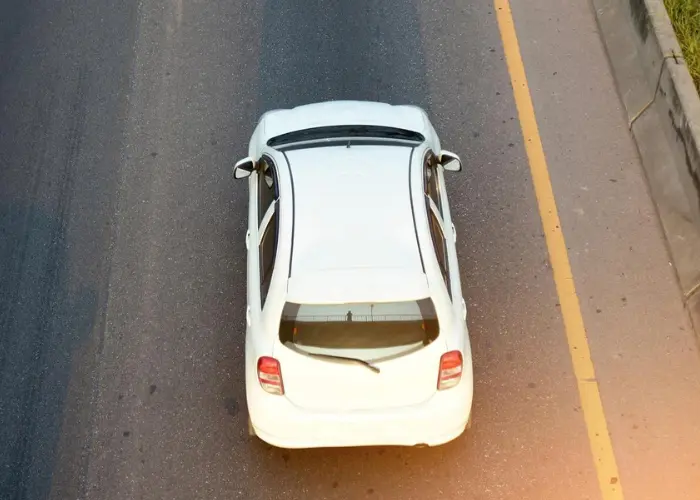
(122, 276)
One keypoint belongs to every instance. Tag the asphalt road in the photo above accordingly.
(122, 277)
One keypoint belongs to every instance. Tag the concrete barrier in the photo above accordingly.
(663, 112)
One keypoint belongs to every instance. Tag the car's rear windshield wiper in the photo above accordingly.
(339, 358)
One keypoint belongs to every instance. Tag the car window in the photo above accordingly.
(430, 180)
(440, 245)
(268, 195)
(268, 249)
(268, 190)
(360, 325)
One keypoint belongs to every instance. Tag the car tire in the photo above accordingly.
(251, 429)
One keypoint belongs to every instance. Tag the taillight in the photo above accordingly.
(270, 375)
(450, 370)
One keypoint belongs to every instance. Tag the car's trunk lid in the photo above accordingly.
(328, 384)
(372, 356)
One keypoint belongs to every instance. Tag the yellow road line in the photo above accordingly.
(601, 445)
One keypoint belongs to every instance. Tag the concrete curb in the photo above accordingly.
(663, 112)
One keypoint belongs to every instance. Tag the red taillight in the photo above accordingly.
(450, 370)
(270, 375)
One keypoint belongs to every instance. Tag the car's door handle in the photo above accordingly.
(247, 239)
(464, 309)
(247, 315)
(454, 232)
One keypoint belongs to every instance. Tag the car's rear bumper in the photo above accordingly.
(437, 421)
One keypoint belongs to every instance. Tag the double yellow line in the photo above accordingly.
(596, 425)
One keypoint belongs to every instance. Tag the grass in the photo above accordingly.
(685, 17)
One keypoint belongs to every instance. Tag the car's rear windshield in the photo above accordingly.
(359, 325)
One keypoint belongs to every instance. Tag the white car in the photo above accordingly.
(356, 330)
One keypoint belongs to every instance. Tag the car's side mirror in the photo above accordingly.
(450, 161)
(243, 168)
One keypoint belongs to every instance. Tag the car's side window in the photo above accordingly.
(268, 248)
(430, 180)
(268, 218)
(440, 245)
(267, 186)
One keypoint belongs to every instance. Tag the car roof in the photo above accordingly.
(353, 211)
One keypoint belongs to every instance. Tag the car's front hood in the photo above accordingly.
(333, 113)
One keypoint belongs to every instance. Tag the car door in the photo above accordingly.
(268, 224)
(252, 257)
(261, 237)
(451, 230)
(442, 229)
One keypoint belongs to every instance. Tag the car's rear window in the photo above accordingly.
(359, 326)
